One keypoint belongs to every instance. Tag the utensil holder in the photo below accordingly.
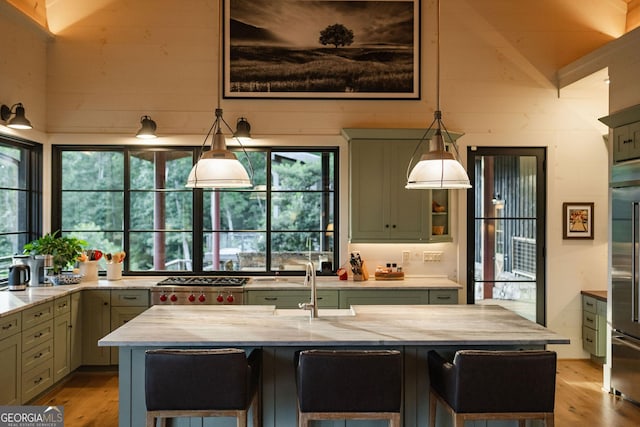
(114, 271)
(89, 270)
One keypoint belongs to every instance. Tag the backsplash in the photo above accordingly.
(443, 258)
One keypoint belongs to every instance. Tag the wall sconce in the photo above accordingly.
(147, 128)
(243, 129)
(19, 121)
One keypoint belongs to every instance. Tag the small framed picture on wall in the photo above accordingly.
(577, 220)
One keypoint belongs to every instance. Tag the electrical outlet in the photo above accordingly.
(406, 256)
(431, 256)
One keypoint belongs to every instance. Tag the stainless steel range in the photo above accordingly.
(201, 290)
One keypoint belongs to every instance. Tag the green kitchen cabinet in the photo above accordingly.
(104, 311)
(37, 350)
(75, 357)
(61, 337)
(626, 133)
(11, 360)
(382, 210)
(126, 304)
(287, 298)
(96, 323)
(594, 327)
(349, 297)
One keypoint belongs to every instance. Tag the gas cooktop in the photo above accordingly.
(204, 281)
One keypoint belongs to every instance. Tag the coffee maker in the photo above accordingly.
(39, 266)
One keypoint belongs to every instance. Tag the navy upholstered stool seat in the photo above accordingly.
(486, 385)
(349, 385)
(202, 383)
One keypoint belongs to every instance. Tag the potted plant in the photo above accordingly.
(64, 250)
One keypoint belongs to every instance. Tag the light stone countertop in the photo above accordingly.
(248, 326)
(15, 301)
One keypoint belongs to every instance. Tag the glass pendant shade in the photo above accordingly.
(218, 168)
(438, 169)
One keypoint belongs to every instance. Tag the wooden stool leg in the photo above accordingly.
(458, 420)
(394, 421)
(522, 423)
(151, 420)
(432, 409)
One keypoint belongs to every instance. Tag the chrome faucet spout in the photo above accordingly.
(310, 278)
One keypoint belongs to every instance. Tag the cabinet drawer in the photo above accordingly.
(290, 299)
(130, 298)
(37, 314)
(442, 296)
(589, 304)
(10, 325)
(37, 335)
(37, 355)
(593, 342)
(593, 321)
(37, 380)
(62, 305)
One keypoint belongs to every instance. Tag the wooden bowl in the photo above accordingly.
(437, 230)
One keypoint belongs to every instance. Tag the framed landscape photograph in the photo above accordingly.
(321, 49)
(577, 221)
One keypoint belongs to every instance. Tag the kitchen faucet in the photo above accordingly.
(310, 277)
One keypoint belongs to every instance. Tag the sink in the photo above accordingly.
(274, 279)
(323, 312)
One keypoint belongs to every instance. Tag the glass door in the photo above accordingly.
(506, 229)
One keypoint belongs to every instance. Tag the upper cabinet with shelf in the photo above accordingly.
(382, 210)
(626, 133)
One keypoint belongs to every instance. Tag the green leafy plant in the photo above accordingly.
(64, 250)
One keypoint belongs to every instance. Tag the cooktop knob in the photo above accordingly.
(163, 297)
(220, 298)
(229, 298)
(192, 298)
(202, 298)
(174, 298)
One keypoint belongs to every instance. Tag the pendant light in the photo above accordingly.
(219, 167)
(439, 168)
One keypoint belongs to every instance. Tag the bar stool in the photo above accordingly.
(494, 385)
(202, 383)
(349, 385)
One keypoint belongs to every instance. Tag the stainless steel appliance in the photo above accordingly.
(19, 276)
(625, 280)
(39, 266)
(201, 290)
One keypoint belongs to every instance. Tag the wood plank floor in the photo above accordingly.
(90, 399)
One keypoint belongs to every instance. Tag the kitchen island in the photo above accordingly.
(414, 330)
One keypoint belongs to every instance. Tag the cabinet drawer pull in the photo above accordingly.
(38, 356)
(61, 306)
(589, 304)
(38, 335)
(38, 381)
(589, 340)
(128, 297)
(38, 315)
(443, 297)
(7, 326)
(271, 298)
